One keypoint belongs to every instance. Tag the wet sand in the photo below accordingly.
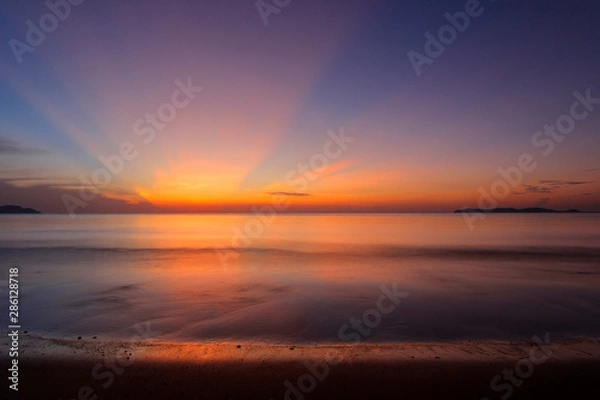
(111, 369)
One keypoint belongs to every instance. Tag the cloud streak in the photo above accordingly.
(12, 147)
(295, 194)
(546, 186)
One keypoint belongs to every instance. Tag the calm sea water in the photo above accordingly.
(305, 278)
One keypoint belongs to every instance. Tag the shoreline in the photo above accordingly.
(69, 369)
(36, 346)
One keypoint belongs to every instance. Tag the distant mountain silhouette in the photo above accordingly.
(514, 210)
(17, 210)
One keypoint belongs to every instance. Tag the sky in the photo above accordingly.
(322, 106)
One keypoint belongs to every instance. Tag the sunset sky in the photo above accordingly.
(267, 104)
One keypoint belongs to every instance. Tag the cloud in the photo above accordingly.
(48, 199)
(538, 189)
(289, 194)
(557, 182)
(12, 147)
(546, 186)
(580, 195)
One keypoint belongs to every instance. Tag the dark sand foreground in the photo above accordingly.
(96, 369)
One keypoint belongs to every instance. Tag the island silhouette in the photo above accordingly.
(11, 209)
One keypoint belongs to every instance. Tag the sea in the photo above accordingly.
(304, 278)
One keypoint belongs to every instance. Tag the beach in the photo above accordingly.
(66, 369)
